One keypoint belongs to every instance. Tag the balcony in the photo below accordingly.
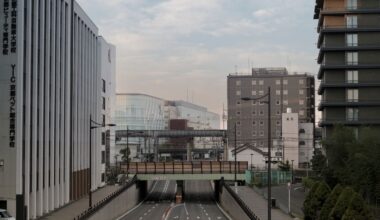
(347, 103)
(344, 11)
(344, 47)
(344, 121)
(346, 84)
(346, 66)
(322, 30)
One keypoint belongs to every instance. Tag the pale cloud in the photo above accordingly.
(165, 48)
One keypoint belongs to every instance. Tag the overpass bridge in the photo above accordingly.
(186, 170)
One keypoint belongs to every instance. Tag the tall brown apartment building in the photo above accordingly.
(295, 91)
(349, 58)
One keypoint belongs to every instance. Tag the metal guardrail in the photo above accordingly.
(87, 213)
(191, 167)
(239, 201)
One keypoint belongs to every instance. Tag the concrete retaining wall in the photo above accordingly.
(121, 204)
(231, 206)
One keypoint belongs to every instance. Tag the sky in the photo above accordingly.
(185, 49)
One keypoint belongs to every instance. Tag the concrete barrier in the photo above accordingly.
(123, 203)
(229, 205)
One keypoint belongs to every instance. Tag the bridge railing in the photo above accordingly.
(186, 167)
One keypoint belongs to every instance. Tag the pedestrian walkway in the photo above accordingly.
(259, 205)
(75, 208)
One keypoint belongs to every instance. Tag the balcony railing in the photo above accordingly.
(349, 8)
(347, 103)
(346, 84)
(347, 121)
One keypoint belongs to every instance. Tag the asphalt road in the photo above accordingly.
(157, 203)
(198, 204)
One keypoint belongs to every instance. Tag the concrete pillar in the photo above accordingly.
(155, 149)
(188, 150)
(217, 190)
(181, 188)
(142, 186)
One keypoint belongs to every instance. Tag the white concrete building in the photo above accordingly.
(298, 139)
(49, 86)
(107, 61)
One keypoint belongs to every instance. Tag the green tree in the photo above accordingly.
(316, 198)
(125, 154)
(330, 202)
(284, 166)
(357, 209)
(342, 204)
(318, 162)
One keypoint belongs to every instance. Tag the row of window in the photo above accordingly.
(238, 123)
(261, 133)
(261, 112)
(278, 92)
(278, 102)
(278, 82)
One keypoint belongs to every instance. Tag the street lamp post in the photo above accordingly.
(93, 125)
(128, 150)
(251, 161)
(292, 172)
(268, 101)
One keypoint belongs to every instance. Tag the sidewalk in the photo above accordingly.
(75, 208)
(259, 205)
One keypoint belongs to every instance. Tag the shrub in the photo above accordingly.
(357, 209)
(342, 204)
(315, 200)
(330, 202)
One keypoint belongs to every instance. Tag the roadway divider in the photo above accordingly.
(228, 206)
(102, 203)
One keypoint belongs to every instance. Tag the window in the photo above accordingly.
(285, 92)
(286, 102)
(352, 95)
(261, 82)
(285, 82)
(104, 103)
(254, 82)
(253, 102)
(301, 81)
(278, 92)
(238, 103)
(103, 85)
(301, 102)
(352, 76)
(254, 133)
(253, 112)
(352, 114)
(261, 133)
(261, 92)
(302, 131)
(103, 138)
(278, 82)
(103, 177)
(278, 133)
(302, 143)
(103, 157)
(261, 123)
(261, 144)
(254, 92)
(278, 123)
(278, 102)
(302, 112)
(261, 102)
(104, 119)
(237, 113)
(301, 91)
(352, 4)
(278, 112)
(238, 133)
(238, 83)
(352, 58)
(238, 123)
(352, 21)
(261, 112)
(352, 40)
(238, 92)
(254, 122)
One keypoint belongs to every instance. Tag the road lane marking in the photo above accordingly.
(184, 204)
